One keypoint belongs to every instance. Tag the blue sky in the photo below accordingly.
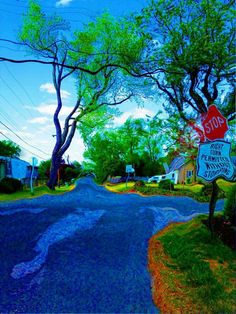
(27, 96)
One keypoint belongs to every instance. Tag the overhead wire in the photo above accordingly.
(23, 139)
(69, 20)
(16, 125)
(22, 87)
(17, 96)
(6, 117)
(65, 11)
(22, 147)
(18, 82)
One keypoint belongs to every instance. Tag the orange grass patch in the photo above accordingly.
(167, 291)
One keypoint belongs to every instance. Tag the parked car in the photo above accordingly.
(154, 179)
(173, 176)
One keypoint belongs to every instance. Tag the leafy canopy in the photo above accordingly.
(193, 45)
(9, 149)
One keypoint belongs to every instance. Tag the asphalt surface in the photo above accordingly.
(84, 251)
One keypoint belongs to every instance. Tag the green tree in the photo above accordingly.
(44, 169)
(107, 156)
(109, 150)
(90, 56)
(192, 44)
(9, 149)
(192, 48)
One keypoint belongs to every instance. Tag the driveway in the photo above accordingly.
(84, 251)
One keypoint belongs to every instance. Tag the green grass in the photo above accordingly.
(120, 187)
(38, 191)
(225, 185)
(205, 267)
(193, 191)
(196, 188)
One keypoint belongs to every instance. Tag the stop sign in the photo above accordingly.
(215, 124)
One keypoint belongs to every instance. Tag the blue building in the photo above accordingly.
(16, 168)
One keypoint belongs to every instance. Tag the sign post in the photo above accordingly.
(213, 159)
(34, 163)
(128, 169)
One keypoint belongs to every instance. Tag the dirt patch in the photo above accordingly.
(167, 291)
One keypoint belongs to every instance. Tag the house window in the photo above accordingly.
(173, 175)
(189, 173)
(163, 177)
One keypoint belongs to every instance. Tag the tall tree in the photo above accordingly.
(192, 43)
(91, 57)
(9, 149)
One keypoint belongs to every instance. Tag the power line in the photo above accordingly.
(6, 117)
(52, 8)
(23, 139)
(22, 147)
(16, 96)
(22, 87)
(69, 20)
(13, 76)
(12, 106)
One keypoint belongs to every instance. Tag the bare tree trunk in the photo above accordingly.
(55, 165)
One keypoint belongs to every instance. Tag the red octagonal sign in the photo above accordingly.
(215, 125)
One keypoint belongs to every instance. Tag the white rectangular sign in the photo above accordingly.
(129, 168)
(214, 161)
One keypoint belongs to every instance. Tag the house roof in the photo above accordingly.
(13, 159)
(177, 163)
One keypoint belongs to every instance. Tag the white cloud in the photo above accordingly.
(43, 142)
(23, 134)
(19, 133)
(3, 132)
(63, 2)
(135, 114)
(76, 149)
(47, 87)
(50, 89)
(49, 109)
(39, 120)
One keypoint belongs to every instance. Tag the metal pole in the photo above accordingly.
(127, 180)
(31, 179)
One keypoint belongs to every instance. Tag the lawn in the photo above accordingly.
(225, 185)
(191, 272)
(120, 187)
(38, 191)
(152, 188)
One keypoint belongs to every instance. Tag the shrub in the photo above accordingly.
(200, 181)
(10, 185)
(70, 173)
(139, 184)
(189, 180)
(207, 191)
(166, 185)
(230, 206)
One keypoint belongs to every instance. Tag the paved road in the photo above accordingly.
(84, 251)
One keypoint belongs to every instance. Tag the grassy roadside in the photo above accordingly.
(193, 191)
(191, 272)
(38, 191)
(121, 187)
